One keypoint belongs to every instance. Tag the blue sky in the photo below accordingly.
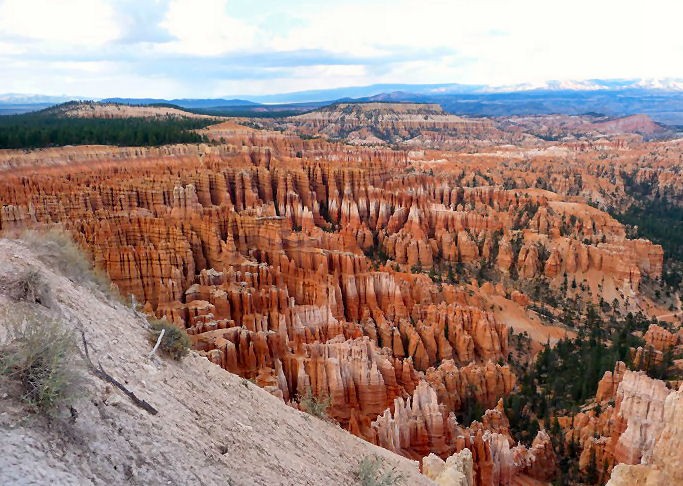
(213, 48)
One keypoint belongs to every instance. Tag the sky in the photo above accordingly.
(217, 48)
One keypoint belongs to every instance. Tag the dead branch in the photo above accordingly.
(103, 375)
(156, 346)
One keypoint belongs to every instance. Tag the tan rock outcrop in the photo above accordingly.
(664, 465)
(627, 431)
(454, 471)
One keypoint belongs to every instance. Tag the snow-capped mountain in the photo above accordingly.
(33, 99)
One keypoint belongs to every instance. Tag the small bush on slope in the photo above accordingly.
(29, 286)
(175, 342)
(370, 473)
(315, 406)
(39, 353)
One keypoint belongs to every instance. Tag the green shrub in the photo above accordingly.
(39, 353)
(175, 342)
(370, 473)
(316, 406)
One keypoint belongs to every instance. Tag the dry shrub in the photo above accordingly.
(56, 248)
(28, 286)
(175, 342)
(370, 473)
(40, 354)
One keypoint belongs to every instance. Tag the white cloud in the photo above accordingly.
(80, 22)
(509, 41)
(205, 28)
(85, 79)
(303, 78)
(205, 47)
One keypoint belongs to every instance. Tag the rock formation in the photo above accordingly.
(631, 421)
(454, 471)
(422, 125)
(661, 464)
(361, 274)
(421, 424)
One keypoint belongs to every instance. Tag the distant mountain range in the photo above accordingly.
(662, 106)
(183, 102)
(354, 92)
(28, 99)
(662, 99)
(11, 103)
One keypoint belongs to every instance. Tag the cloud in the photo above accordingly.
(205, 28)
(141, 21)
(73, 22)
(176, 48)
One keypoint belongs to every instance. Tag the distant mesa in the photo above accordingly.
(93, 109)
(387, 108)
(429, 125)
(563, 127)
(641, 124)
(377, 123)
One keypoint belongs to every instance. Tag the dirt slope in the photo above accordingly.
(212, 427)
